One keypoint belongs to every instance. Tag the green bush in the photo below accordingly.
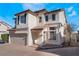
(5, 37)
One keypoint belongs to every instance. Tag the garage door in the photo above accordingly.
(19, 39)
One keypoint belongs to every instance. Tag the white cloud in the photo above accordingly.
(73, 13)
(70, 9)
(33, 7)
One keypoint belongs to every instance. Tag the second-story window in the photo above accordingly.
(53, 17)
(46, 18)
(23, 19)
(40, 19)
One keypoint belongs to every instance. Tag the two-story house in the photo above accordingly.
(39, 27)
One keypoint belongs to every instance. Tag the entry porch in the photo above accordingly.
(47, 36)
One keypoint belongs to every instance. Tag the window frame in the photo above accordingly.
(23, 19)
(40, 19)
(53, 17)
(53, 36)
(46, 18)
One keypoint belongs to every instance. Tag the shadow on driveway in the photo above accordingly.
(66, 51)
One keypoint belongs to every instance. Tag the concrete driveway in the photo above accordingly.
(18, 50)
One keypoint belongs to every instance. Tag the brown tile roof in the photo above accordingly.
(5, 23)
(35, 13)
(26, 11)
(29, 11)
(54, 11)
(40, 11)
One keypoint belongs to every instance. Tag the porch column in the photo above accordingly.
(26, 40)
(30, 39)
(42, 40)
(59, 36)
(45, 37)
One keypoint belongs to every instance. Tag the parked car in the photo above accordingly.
(1, 42)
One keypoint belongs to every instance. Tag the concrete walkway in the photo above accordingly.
(18, 50)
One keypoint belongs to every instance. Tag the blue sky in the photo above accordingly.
(7, 10)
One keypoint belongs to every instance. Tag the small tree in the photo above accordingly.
(69, 28)
(5, 37)
(67, 34)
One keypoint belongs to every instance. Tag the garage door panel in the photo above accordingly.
(18, 39)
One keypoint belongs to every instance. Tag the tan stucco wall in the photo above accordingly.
(32, 22)
(50, 17)
(62, 18)
(43, 18)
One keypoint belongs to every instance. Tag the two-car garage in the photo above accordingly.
(18, 38)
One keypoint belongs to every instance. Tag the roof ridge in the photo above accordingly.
(39, 11)
(61, 9)
(5, 23)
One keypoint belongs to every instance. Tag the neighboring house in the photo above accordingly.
(4, 27)
(39, 27)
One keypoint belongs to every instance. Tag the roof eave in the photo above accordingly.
(26, 11)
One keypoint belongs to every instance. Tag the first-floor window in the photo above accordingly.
(52, 35)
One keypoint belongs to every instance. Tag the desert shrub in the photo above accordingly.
(5, 37)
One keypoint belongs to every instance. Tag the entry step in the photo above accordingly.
(50, 46)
